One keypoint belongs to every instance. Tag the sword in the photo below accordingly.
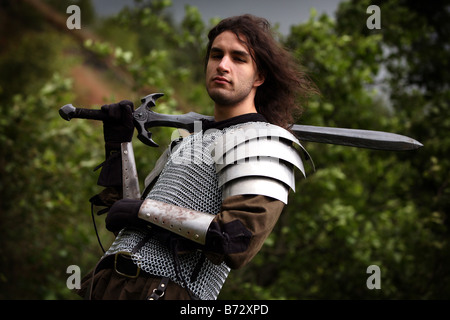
(145, 118)
(378, 140)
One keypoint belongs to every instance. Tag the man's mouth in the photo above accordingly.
(220, 80)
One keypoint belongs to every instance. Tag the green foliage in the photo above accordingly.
(359, 208)
(47, 178)
(21, 71)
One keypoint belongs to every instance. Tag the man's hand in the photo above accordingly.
(119, 126)
(231, 237)
(124, 213)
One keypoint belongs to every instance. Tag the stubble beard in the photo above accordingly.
(226, 98)
(223, 99)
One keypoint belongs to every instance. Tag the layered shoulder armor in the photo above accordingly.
(257, 158)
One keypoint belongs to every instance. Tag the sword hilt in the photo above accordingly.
(69, 112)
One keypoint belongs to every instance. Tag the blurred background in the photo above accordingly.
(359, 208)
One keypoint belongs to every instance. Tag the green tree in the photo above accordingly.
(416, 58)
(45, 165)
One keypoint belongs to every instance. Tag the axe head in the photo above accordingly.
(140, 118)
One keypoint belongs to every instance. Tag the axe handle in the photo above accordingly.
(69, 112)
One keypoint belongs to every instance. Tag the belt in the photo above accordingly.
(122, 264)
(125, 266)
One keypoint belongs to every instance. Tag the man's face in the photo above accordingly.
(231, 73)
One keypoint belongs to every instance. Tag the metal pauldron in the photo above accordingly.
(257, 158)
(190, 224)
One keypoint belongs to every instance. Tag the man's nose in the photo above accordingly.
(224, 65)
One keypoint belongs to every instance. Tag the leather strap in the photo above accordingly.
(159, 292)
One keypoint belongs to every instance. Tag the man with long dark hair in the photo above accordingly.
(222, 189)
(285, 85)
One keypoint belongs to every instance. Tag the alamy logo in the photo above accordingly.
(74, 20)
(373, 281)
(374, 21)
(74, 280)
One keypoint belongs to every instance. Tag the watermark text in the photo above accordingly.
(74, 280)
(373, 281)
(374, 20)
(74, 20)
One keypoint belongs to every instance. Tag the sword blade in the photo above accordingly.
(369, 139)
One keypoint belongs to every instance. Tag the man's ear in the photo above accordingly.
(261, 77)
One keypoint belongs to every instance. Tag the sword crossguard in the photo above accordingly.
(145, 118)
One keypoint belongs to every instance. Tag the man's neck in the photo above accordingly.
(227, 112)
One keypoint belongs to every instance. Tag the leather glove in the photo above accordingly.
(117, 128)
(231, 237)
(124, 213)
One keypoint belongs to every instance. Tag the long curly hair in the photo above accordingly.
(286, 87)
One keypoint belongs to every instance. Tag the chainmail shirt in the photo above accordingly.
(188, 180)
